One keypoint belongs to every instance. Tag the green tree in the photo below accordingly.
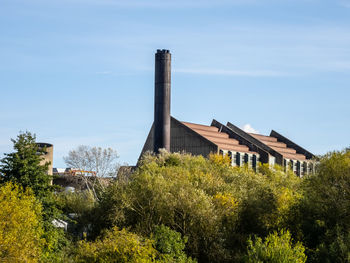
(171, 245)
(23, 167)
(161, 192)
(276, 248)
(20, 225)
(323, 215)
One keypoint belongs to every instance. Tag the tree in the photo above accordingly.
(171, 245)
(80, 204)
(102, 161)
(276, 248)
(23, 166)
(323, 215)
(216, 206)
(20, 225)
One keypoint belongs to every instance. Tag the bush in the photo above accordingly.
(20, 225)
(277, 248)
(116, 246)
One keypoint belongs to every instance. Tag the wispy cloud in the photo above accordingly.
(248, 128)
(242, 73)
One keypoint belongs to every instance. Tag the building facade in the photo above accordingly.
(242, 148)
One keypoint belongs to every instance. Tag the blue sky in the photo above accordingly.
(81, 71)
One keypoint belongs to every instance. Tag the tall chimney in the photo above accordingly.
(162, 100)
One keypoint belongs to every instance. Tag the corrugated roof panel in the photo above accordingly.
(222, 140)
(212, 133)
(284, 150)
(200, 127)
(275, 144)
(297, 156)
(263, 137)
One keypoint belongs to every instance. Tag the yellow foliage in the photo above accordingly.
(225, 201)
(20, 227)
(116, 246)
(286, 198)
(220, 159)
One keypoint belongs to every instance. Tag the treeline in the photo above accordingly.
(177, 208)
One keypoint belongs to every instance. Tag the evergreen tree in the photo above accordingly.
(23, 166)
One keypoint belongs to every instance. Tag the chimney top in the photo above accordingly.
(162, 51)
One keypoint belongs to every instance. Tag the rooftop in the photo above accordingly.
(221, 139)
(280, 147)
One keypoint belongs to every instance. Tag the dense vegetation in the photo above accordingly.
(177, 208)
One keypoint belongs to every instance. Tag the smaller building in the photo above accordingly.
(72, 171)
(47, 155)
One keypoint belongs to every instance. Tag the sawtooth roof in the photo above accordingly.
(280, 147)
(221, 139)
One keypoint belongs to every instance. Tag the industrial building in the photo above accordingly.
(242, 147)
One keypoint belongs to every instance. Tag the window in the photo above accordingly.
(254, 162)
(234, 158)
(285, 164)
(246, 158)
(238, 159)
(304, 170)
(298, 168)
(250, 160)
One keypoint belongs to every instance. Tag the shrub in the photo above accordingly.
(277, 248)
(116, 246)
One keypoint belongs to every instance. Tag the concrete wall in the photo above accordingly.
(187, 140)
(48, 155)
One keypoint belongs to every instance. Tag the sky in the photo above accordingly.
(81, 72)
